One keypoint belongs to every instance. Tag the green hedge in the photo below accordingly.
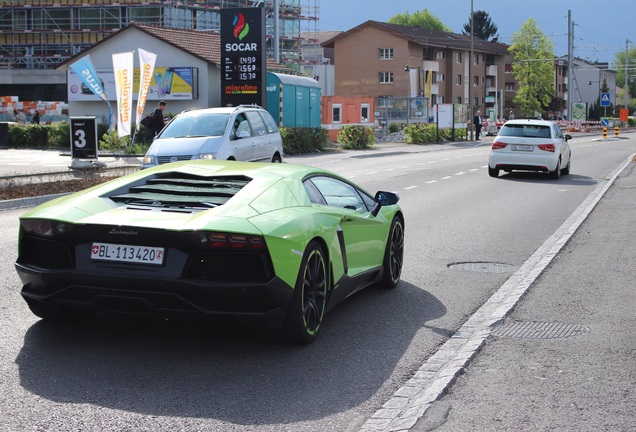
(423, 133)
(58, 135)
(298, 140)
(356, 137)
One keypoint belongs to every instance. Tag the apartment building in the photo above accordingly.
(389, 60)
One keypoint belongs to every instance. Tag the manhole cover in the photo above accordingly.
(538, 330)
(485, 267)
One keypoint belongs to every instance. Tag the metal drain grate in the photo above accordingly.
(485, 267)
(538, 330)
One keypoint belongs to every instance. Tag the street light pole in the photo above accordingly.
(470, 74)
(626, 70)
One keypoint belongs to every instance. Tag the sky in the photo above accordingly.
(600, 27)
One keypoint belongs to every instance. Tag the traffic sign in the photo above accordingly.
(605, 99)
(604, 122)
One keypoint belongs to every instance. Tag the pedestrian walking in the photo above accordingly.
(158, 121)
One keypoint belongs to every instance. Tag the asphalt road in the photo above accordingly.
(120, 374)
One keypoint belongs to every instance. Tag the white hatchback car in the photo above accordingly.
(242, 133)
(530, 145)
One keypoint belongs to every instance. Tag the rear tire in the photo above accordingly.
(554, 175)
(276, 158)
(393, 255)
(566, 170)
(309, 300)
(493, 172)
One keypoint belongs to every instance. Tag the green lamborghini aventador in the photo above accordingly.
(281, 242)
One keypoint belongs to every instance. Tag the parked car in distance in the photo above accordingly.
(530, 145)
(277, 243)
(242, 133)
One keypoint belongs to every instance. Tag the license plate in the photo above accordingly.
(127, 253)
(519, 147)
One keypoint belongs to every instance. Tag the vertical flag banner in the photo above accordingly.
(414, 75)
(86, 71)
(123, 70)
(146, 69)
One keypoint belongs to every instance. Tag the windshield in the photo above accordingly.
(196, 124)
(525, 131)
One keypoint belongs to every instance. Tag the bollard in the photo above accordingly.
(616, 131)
(604, 131)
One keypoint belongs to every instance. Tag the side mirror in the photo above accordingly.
(383, 198)
(568, 137)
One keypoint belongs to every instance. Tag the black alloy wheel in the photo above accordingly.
(394, 254)
(309, 300)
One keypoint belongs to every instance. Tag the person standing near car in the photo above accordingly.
(35, 119)
(477, 123)
(158, 121)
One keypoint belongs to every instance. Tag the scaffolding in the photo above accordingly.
(39, 34)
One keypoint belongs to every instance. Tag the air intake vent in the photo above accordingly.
(180, 191)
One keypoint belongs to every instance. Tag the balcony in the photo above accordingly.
(491, 70)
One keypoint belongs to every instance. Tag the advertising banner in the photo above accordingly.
(147, 62)
(178, 86)
(123, 68)
(90, 82)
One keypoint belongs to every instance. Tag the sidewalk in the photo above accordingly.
(564, 358)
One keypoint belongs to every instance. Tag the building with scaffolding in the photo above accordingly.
(38, 34)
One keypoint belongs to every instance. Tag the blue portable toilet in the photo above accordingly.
(293, 101)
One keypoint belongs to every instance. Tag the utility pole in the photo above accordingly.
(570, 61)
(626, 89)
(470, 74)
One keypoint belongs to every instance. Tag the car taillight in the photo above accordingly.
(231, 241)
(547, 147)
(498, 145)
(45, 228)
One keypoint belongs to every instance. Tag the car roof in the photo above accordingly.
(224, 110)
(526, 122)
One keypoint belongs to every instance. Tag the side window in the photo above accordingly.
(337, 193)
(240, 125)
(257, 123)
(557, 132)
(364, 112)
(270, 124)
(335, 113)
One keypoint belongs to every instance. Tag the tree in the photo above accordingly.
(483, 27)
(423, 19)
(619, 67)
(533, 68)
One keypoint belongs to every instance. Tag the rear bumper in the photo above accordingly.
(130, 295)
(522, 162)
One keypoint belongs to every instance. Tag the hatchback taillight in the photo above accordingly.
(498, 145)
(547, 147)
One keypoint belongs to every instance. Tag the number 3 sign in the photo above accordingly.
(83, 138)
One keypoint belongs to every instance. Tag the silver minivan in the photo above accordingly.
(242, 133)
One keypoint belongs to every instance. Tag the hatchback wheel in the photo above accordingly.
(493, 172)
(554, 175)
(566, 170)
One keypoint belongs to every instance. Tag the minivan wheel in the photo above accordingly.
(276, 158)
